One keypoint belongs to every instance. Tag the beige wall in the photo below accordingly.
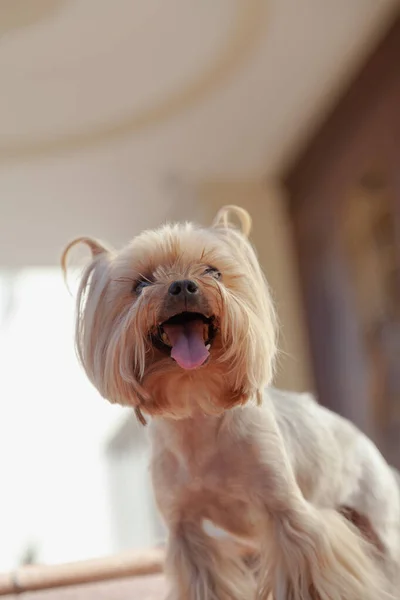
(272, 239)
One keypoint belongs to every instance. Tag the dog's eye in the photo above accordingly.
(213, 272)
(140, 285)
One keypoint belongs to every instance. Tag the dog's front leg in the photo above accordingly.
(307, 553)
(200, 569)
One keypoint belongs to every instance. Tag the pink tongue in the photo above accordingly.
(188, 348)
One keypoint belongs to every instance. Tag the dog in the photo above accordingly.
(180, 326)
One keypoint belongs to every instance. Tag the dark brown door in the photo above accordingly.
(344, 200)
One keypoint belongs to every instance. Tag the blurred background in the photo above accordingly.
(116, 116)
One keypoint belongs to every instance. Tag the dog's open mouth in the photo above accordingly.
(187, 338)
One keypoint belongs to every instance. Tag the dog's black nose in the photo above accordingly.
(186, 287)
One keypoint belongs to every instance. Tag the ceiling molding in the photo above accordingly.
(18, 15)
(244, 34)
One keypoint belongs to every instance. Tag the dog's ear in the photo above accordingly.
(96, 248)
(93, 326)
(223, 216)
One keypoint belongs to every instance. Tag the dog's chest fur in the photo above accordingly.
(199, 468)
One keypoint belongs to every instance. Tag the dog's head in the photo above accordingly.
(180, 318)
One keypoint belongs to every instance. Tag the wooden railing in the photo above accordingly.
(129, 564)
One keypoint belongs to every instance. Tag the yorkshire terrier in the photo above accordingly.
(180, 325)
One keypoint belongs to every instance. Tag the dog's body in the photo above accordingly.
(180, 325)
(207, 457)
(211, 463)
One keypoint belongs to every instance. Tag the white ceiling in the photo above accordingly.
(104, 102)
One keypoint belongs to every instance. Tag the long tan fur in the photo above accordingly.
(271, 468)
